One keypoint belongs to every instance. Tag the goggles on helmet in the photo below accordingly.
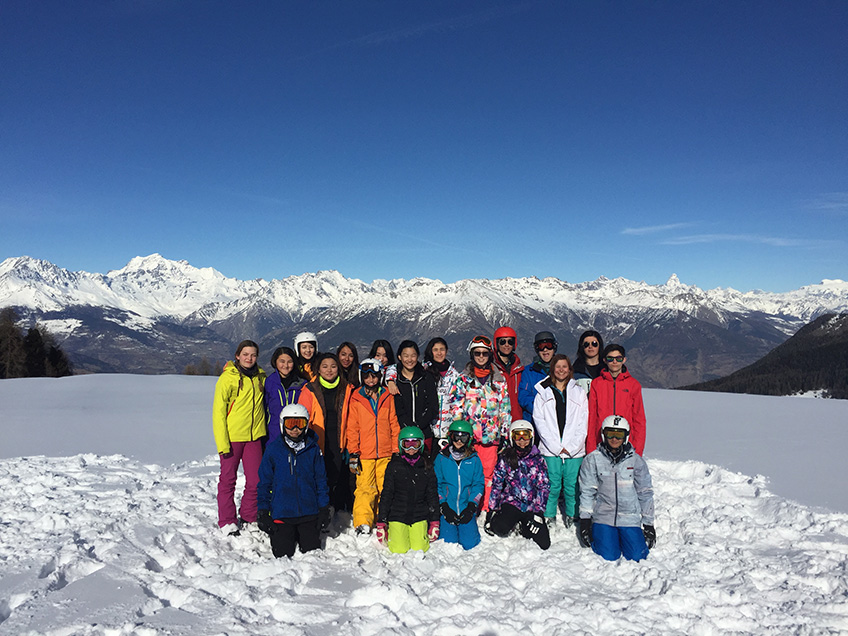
(411, 443)
(610, 433)
(522, 434)
(371, 367)
(483, 341)
(291, 423)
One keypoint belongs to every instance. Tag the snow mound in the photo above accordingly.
(95, 544)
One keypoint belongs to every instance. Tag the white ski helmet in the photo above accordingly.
(522, 425)
(292, 411)
(616, 422)
(480, 342)
(371, 365)
(304, 336)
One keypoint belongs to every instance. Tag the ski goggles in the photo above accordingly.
(506, 341)
(458, 436)
(522, 434)
(291, 423)
(482, 341)
(547, 345)
(590, 343)
(614, 434)
(371, 367)
(614, 359)
(412, 443)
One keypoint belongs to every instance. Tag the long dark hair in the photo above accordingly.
(428, 350)
(410, 344)
(390, 354)
(316, 387)
(583, 336)
(351, 374)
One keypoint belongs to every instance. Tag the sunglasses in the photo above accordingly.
(480, 353)
(545, 346)
(522, 435)
(587, 344)
(292, 423)
(614, 359)
(506, 341)
(412, 443)
(615, 434)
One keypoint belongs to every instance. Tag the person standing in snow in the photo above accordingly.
(510, 366)
(616, 392)
(561, 414)
(616, 497)
(545, 344)
(238, 422)
(416, 403)
(293, 498)
(460, 477)
(445, 374)
(520, 489)
(408, 518)
(328, 399)
(479, 395)
(372, 437)
(306, 346)
(588, 363)
(282, 387)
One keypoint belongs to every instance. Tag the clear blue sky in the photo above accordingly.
(445, 139)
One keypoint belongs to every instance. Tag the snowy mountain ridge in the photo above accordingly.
(154, 286)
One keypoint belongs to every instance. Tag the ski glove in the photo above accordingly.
(585, 533)
(264, 521)
(449, 515)
(650, 536)
(382, 533)
(433, 531)
(354, 464)
(468, 514)
(534, 524)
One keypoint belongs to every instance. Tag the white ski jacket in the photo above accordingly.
(573, 437)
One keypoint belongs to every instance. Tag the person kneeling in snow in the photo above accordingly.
(409, 504)
(293, 498)
(616, 497)
(520, 489)
(460, 476)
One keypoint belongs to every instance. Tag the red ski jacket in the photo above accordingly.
(616, 396)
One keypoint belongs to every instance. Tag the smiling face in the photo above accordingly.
(591, 348)
(328, 369)
(346, 357)
(380, 355)
(408, 358)
(506, 346)
(306, 350)
(439, 352)
(561, 371)
(246, 358)
(284, 365)
(546, 351)
(370, 380)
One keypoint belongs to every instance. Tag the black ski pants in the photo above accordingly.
(302, 531)
(505, 518)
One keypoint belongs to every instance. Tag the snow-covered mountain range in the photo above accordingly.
(157, 315)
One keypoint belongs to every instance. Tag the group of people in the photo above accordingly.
(418, 450)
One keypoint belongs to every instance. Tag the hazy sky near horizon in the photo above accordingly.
(439, 139)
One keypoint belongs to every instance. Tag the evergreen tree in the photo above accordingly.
(34, 354)
(12, 353)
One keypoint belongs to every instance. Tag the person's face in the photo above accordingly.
(522, 443)
(614, 443)
(247, 357)
(370, 380)
(346, 357)
(615, 361)
(590, 346)
(561, 370)
(439, 352)
(408, 358)
(546, 351)
(328, 370)
(481, 356)
(380, 355)
(306, 350)
(285, 364)
(506, 345)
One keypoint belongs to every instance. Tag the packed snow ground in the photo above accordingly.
(95, 542)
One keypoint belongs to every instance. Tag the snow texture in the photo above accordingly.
(107, 526)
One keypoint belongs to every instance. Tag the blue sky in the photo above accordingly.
(444, 139)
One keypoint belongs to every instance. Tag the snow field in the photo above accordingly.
(107, 545)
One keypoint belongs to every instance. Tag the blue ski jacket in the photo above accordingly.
(293, 483)
(460, 482)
